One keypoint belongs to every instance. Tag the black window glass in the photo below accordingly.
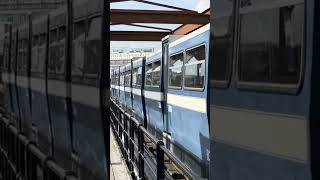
(156, 73)
(222, 39)
(78, 48)
(148, 74)
(271, 45)
(175, 70)
(195, 67)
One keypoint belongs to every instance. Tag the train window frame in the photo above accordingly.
(182, 68)
(79, 28)
(270, 87)
(205, 69)
(145, 77)
(224, 84)
(140, 85)
(134, 75)
(127, 77)
(156, 86)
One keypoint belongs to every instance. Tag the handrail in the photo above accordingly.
(161, 151)
(20, 157)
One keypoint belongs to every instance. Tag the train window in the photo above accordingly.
(34, 58)
(6, 52)
(156, 73)
(2, 52)
(42, 52)
(60, 64)
(121, 79)
(35, 40)
(134, 77)
(195, 67)
(148, 74)
(222, 41)
(93, 48)
(53, 53)
(139, 76)
(78, 48)
(127, 79)
(13, 53)
(271, 52)
(175, 70)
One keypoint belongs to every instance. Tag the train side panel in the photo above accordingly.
(88, 129)
(259, 115)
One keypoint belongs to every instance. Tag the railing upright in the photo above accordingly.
(160, 161)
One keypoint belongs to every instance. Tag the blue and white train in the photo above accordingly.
(168, 94)
(239, 100)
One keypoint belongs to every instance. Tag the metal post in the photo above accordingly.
(160, 161)
(131, 146)
(141, 153)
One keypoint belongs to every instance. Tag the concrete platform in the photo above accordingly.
(118, 169)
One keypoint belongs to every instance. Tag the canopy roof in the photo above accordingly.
(151, 20)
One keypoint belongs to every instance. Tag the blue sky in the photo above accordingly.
(198, 5)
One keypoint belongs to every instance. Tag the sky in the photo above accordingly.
(198, 5)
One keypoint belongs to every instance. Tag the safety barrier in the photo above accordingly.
(21, 159)
(143, 160)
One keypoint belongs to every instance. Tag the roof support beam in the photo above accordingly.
(161, 17)
(137, 35)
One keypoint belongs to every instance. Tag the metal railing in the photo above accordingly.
(145, 155)
(21, 159)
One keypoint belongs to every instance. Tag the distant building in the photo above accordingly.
(120, 57)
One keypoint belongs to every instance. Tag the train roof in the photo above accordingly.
(190, 36)
(137, 63)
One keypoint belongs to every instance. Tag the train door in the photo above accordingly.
(137, 95)
(60, 120)
(23, 81)
(38, 76)
(12, 81)
(153, 95)
(87, 80)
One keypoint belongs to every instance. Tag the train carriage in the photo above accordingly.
(186, 99)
